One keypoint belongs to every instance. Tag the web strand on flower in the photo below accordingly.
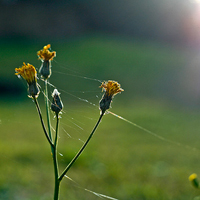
(95, 106)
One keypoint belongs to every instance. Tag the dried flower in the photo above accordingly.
(57, 104)
(111, 88)
(29, 73)
(46, 56)
(193, 180)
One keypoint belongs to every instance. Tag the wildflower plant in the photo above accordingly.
(194, 181)
(29, 73)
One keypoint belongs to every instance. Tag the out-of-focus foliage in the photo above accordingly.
(143, 68)
(175, 21)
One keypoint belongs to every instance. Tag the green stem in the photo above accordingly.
(47, 111)
(54, 147)
(82, 148)
(55, 162)
(47, 107)
(56, 190)
(42, 122)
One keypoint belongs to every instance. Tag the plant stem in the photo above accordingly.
(42, 122)
(47, 107)
(82, 148)
(55, 162)
(54, 147)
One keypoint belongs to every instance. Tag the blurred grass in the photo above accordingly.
(142, 67)
(121, 161)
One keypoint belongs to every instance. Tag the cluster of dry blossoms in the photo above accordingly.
(29, 73)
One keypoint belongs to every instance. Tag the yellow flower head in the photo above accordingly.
(192, 177)
(45, 54)
(28, 72)
(111, 88)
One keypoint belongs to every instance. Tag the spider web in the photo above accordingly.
(81, 108)
(76, 116)
(92, 102)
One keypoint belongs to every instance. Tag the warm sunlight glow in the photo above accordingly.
(191, 24)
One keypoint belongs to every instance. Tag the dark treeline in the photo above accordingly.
(164, 20)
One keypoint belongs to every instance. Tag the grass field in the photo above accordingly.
(121, 161)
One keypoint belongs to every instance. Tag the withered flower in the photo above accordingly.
(28, 72)
(46, 57)
(111, 88)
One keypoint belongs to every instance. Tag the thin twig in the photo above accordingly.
(42, 122)
(47, 107)
(82, 148)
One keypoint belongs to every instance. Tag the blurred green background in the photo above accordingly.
(152, 49)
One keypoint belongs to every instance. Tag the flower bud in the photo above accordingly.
(56, 105)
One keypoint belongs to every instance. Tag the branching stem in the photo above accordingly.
(54, 147)
(82, 148)
(58, 178)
